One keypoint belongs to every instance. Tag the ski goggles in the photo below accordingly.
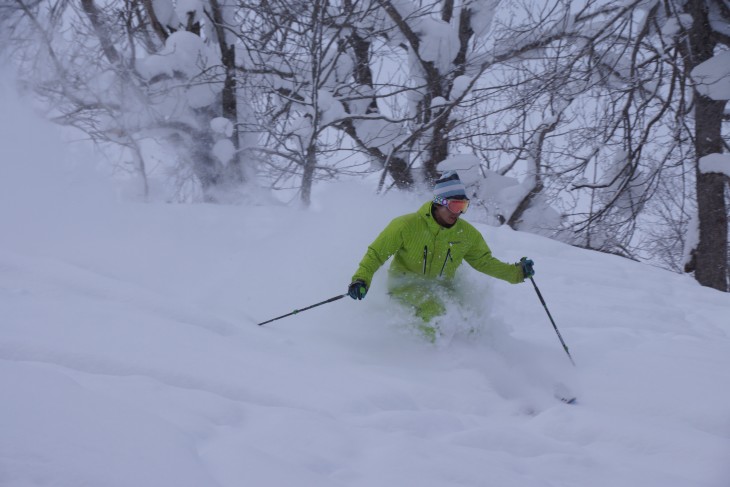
(454, 206)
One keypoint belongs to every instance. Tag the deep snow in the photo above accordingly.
(130, 355)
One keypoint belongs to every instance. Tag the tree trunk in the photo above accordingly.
(711, 267)
(229, 101)
(438, 149)
(102, 33)
(396, 165)
(308, 175)
(711, 254)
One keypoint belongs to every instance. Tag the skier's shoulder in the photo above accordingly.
(464, 226)
(401, 221)
(409, 219)
(468, 230)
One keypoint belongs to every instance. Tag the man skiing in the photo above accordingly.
(427, 248)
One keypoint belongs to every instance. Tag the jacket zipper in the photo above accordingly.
(425, 256)
(448, 256)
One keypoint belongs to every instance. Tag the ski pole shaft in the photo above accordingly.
(539, 295)
(296, 311)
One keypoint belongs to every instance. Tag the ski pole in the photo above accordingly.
(305, 309)
(539, 295)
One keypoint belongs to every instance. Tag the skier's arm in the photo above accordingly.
(384, 246)
(480, 258)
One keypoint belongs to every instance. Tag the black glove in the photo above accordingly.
(357, 290)
(527, 270)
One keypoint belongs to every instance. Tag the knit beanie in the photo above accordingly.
(449, 186)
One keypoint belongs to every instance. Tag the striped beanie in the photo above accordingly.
(449, 186)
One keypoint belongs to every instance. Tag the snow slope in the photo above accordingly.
(130, 355)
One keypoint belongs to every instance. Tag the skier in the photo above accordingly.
(428, 246)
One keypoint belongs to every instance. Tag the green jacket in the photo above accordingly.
(423, 248)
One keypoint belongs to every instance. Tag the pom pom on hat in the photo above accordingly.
(450, 186)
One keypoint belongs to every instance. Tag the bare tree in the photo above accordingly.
(610, 116)
(102, 80)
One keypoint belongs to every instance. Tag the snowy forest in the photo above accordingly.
(600, 123)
